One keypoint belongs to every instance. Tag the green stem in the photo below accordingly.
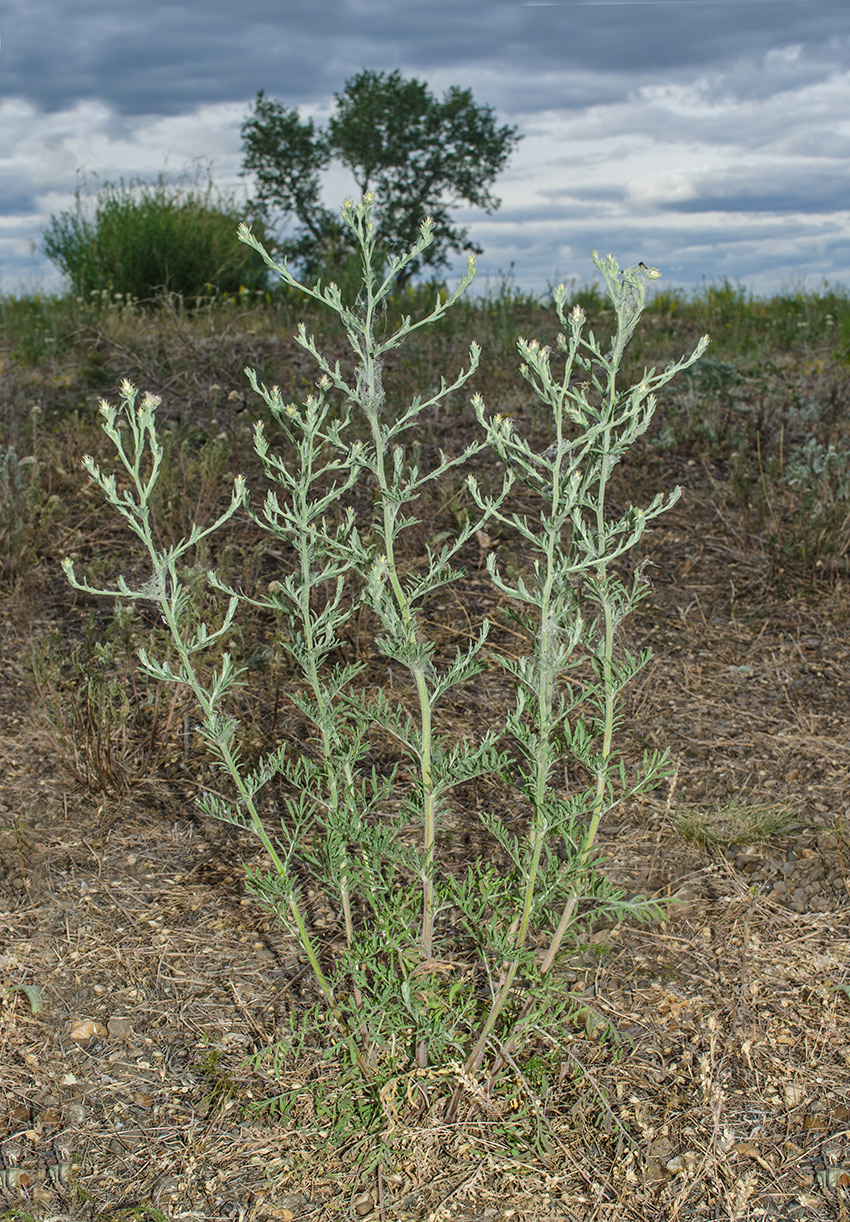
(322, 705)
(372, 385)
(546, 691)
(546, 647)
(598, 807)
(207, 707)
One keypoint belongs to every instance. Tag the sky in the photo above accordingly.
(708, 138)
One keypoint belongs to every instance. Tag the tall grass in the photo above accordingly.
(743, 324)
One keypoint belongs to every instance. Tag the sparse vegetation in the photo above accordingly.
(731, 824)
(124, 907)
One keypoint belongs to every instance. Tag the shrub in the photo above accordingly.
(146, 240)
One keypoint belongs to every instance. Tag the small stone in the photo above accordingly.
(685, 903)
(363, 1204)
(681, 1162)
(747, 862)
(119, 1028)
(794, 1094)
(82, 1030)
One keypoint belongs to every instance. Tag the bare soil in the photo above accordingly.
(724, 1093)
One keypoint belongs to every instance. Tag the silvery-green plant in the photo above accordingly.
(19, 489)
(131, 428)
(334, 804)
(431, 968)
(327, 551)
(571, 604)
(822, 471)
(815, 501)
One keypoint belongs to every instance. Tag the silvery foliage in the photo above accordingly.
(403, 984)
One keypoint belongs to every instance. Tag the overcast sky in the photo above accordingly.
(710, 138)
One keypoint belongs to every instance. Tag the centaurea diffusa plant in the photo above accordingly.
(369, 548)
(141, 458)
(571, 605)
(399, 986)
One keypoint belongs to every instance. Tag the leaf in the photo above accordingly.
(34, 994)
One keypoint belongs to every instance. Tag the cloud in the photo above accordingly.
(710, 138)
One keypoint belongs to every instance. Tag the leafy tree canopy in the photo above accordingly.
(420, 155)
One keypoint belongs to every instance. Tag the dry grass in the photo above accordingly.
(729, 824)
(709, 1076)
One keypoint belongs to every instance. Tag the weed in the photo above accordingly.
(438, 980)
(19, 495)
(113, 725)
(707, 417)
(817, 479)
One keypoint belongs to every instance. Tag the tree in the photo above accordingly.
(420, 156)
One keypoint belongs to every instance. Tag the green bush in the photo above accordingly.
(144, 241)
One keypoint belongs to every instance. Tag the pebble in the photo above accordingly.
(806, 878)
(363, 1204)
(748, 863)
(119, 1028)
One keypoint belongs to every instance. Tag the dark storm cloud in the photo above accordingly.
(745, 191)
(157, 57)
(706, 136)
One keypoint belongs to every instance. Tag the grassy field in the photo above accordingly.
(706, 1070)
